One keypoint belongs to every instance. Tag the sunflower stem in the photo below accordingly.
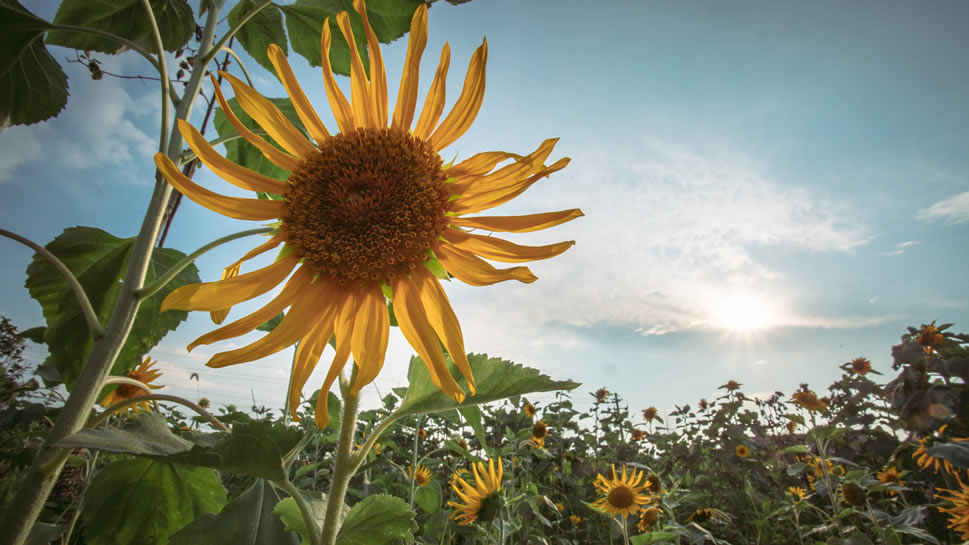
(232, 31)
(312, 529)
(164, 279)
(93, 324)
(344, 466)
(413, 467)
(106, 413)
(245, 72)
(162, 73)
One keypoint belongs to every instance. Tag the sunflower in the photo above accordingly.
(703, 515)
(731, 385)
(929, 337)
(649, 517)
(601, 395)
(891, 475)
(653, 484)
(144, 374)
(791, 426)
(650, 414)
(621, 496)
(529, 410)
(576, 519)
(742, 451)
(959, 512)
(204, 403)
(860, 366)
(808, 400)
(559, 506)
(368, 211)
(797, 492)
(704, 405)
(482, 501)
(637, 434)
(421, 476)
(421, 433)
(926, 460)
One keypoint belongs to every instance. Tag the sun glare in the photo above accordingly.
(742, 313)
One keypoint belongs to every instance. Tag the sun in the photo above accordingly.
(743, 312)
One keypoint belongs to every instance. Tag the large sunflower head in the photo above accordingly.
(621, 495)
(144, 374)
(480, 501)
(369, 210)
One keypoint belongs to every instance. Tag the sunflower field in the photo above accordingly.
(366, 223)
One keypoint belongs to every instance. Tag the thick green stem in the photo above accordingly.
(343, 469)
(312, 528)
(162, 73)
(121, 405)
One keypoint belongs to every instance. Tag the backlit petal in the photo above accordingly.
(371, 327)
(518, 224)
(226, 293)
(305, 110)
(342, 111)
(497, 197)
(342, 329)
(237, 175)
(378, 75)
(268, 116)
(434, 103)
(218, 316)
(308, 356)
(502, 250)
(443, 320)
(475, 271)
(470, 186)
(466, 108)
(407, 94)
(480, 163)
(360, 98)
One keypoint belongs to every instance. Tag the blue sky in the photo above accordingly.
(810, 160)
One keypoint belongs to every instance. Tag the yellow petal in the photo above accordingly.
(497, 197)
(475, 271)
(360, 98)
(343, 324)
(268, 116)
(416, 328)
(443, 320)
(300, 319)
(371, 327)
(498, 249)
(378, 74)
(226, 293)
(518, 224)
(240, 209)
(338, 102)
(470, 186)
(466, 108)
(296, 285)
(218, 316)
(277, 156)
(305, 110)
(307, 356)
(407, 95)
(434, 103)
(237, 175)
(480, 163)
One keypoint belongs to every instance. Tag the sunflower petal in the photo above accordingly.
(434, 103)
(497, 197)
(342, 111)
(233, 207)
(307, 356)
(480, 163)
(343, 325)
(371, 328)
(305, 111)
(237, 175)
(299, 282)
(416, 328)
(502, 250)
(470, 186)
(360, 98)
(218, 316)
(473, 270)
(466, 108)
(518, 224)
(407, 95)
(443, 320)
(275, 155)
(268, 116)
(226, 293)
(378, 74)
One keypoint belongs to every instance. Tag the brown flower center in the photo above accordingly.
(368, 206)
(620, 497)
(539, 430)
(127, 391)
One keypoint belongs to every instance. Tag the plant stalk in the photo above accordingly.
(343, 469)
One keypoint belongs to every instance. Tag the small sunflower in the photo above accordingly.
(797, 492)
(704, 405)
(742, 451)
(576, 519)
(926, 460)
(653, 484)
(959, 512)
(860, 366)
(539, 432)
(144, 374)
(929, 337)
(481, 501)
(529, 410)
(808, 400)
(204, 403)
(649, 517)
(731, 385)
(601, 395)
(791, 426)
(422, 476)
(637, 434)
(372, 209)
(891, 475)
(559, 506)
(421, 433)
(650, 414)
(621, 495)
(703, 515)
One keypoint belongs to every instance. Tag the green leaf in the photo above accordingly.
(292, 519)
(472, 415)
(33, 87)
(43, 533)
(255, 448)
(124, 18)
(144, 435)
(98, 260)
(246, 520)
(496, 379)
(34, 334)
(655, 537)
(265, 28)
(428, 497)
(241, 152)
(271, 324)
(377, 520)
(137, 501)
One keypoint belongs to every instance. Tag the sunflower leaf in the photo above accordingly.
(99, 260)
(248, 519)
(377, 520)
(243, 153)
(495, 378)
(123, 18)
(136, 501)
(33, 87)
(428, 497)
(145, 434)
(265, 28)
(291, 517)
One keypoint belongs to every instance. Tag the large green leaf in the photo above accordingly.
(246, 520)
(124, 18)
(33, 87)
(145, 435)
(290, 514)
(428, 497)
(254, 448)
(495, 378)
(98, 260)
(241, 152)
(265, 28)
(377, 520)
(138, 501)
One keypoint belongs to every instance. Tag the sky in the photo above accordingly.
(770, 189)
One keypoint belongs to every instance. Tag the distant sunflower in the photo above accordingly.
(653, 484)
(731, 385)
(576, 519)
(559, 506)
(860, 366)
(649, 517)
(372, 209)
(808, 400)
(204, 402)
(791, 426)
(482, 500)
(742, 451)
(891, 475)
(422, 476)
(650, 414)
(539, 433)
(704, 405)
(703, 515)
(601, 395)
(421, 433)
(797, 492)
(926, 460)
(621, 495)
(529, 410)
(637, 434)
(144, 374)
(959, 512)
(929, 337)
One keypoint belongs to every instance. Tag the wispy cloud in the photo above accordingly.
(952, 210)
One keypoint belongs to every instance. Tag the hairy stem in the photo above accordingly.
(312, 527)
(343, 469)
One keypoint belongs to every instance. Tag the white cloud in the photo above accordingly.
(952, 210)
